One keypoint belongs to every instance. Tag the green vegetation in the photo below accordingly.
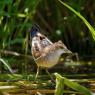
(75, 27)
(82, 18)
(61, 81)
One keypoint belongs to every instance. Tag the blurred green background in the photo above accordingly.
(56, 22)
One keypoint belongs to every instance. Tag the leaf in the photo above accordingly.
(59, 85)
(92, 30)
(76, 86)
(60, 81)
(6, 64)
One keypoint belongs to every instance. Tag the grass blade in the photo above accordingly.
(59, 85)
(6, 64)
(92, 30)
(61, 81)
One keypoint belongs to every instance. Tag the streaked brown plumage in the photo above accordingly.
(45, 53)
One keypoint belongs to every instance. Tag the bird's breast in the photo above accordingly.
(49, 60)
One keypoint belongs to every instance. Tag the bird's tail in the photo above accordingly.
(34, 30)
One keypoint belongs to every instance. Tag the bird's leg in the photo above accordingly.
(49, 75)
(37, 73)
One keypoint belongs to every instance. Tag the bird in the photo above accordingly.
(46, 54)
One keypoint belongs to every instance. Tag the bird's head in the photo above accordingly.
(34, 30)
(63, 49)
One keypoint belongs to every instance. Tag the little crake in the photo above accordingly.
(45, 53)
